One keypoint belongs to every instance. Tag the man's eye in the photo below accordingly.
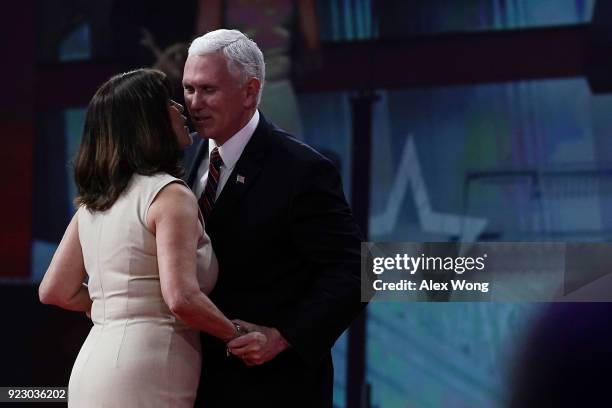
(209, 90)
(188, 89)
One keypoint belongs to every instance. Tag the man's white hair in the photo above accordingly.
(244, 58)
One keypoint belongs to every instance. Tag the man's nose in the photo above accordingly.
(196, 101)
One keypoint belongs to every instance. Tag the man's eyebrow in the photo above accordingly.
(200, 85)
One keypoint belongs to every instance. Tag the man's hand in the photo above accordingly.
(258, 346)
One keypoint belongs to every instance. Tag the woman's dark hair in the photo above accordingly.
(127, 131)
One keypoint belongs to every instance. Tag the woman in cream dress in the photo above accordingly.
(137, 239)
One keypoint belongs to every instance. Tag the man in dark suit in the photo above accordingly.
(285, 238)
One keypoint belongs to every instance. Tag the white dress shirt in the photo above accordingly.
(230, 152)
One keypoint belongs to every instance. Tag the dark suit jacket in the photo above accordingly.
(289, 257)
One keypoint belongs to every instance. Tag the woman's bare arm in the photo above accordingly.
(62, 284)
(173, 218)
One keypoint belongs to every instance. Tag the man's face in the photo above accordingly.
(218, 103)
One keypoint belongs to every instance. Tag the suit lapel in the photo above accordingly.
(201, 153)
(245, 172)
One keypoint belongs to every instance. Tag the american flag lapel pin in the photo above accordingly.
(240, 179)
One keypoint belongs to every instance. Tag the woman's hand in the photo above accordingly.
(260, 345)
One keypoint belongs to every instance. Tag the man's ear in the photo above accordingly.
(252, 88)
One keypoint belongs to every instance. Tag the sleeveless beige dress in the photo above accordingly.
(137, 354)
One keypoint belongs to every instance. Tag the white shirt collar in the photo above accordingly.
(231, 150)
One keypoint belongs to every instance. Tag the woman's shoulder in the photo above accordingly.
(154, 182)
(173, 200)
(149, 186)
(154, 178)
(163, 189)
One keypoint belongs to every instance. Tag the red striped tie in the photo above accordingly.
(208, 197)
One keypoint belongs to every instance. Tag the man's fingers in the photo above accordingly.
(249, 363)
(254, 360)
(249, 338)
(246, 351)
(252, 347)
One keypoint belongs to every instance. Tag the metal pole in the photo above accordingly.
(360, 200)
